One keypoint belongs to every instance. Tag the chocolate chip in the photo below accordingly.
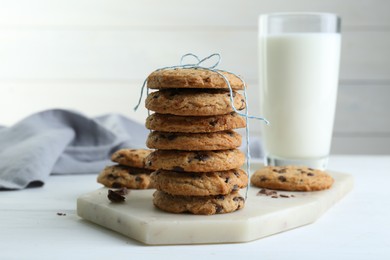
(234, 94)
(115, 197)
(227, 180)
(310, 174)
(267, 192)
(178, 169)
(156, 96)
(213, 122)
(282, 170)
(237, 174)
(238, 199)
(61, 214)
(311, 169)
(138, 179)
(262, 191)
(220, 197)
(218, 209)
(282, 178)
(284, 196)
(201, 157)
(230, 133)
(149, 163)
(235, 187)
(112, 176)
(263, 178)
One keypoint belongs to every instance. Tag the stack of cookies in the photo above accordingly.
(197, 160)
(129, 172)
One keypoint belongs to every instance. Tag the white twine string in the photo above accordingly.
(197, 65)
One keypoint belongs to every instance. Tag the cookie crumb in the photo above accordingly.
(61, 214)
(273, 194)
(267, 192)
(117, 195)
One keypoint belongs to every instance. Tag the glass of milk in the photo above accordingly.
(299, 56)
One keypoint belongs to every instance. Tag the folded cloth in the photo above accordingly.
(62, 142)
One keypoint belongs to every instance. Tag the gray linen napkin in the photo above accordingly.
(62, 142)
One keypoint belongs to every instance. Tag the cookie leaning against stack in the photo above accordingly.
(129, 172)
(192, 129)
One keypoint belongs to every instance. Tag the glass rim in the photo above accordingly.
(319, 14)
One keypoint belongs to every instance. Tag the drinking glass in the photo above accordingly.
(299, 56)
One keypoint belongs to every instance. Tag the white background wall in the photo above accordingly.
(93, 56)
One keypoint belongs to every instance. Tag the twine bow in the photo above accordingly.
(200, 61)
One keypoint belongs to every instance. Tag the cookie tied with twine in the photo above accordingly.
(192, 78)
(199, 75)
(218, 77)
(194, 75)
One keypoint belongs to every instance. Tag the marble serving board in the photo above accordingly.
(262, 216)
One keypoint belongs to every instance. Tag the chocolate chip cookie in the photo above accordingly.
(194, 124)
(199, 161)
(192, 78)
(200, 205)
(118, 176)
(193, 102)
(194, 141)
(131, 157)
(199, 184)
(291, 178)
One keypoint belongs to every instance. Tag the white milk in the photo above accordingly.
(299, 78)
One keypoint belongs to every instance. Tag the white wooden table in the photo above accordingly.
(41, 223)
